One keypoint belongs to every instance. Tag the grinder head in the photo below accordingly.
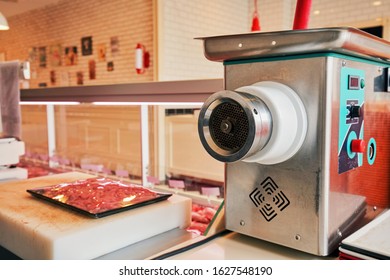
(265, 123)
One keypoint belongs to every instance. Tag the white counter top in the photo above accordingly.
(235, 246)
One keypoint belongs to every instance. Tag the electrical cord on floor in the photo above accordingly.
(191, 246)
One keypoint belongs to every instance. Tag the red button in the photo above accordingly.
(358, 146)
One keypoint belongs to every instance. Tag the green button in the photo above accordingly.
(362, 83)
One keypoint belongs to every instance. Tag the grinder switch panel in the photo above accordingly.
(351, 144)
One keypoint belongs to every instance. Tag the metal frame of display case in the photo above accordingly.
(151, 92)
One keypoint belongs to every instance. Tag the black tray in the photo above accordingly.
(41, 193)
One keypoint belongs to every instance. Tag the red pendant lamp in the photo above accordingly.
(255, 20)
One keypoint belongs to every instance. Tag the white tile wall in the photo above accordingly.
(181, 57)
(180, 21)
(358, 13)
(279, 14)
(275, 14)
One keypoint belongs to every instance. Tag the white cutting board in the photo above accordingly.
(35, 229)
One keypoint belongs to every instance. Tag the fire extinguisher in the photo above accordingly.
(141, 59)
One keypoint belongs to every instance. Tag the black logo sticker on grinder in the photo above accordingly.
(269, 199)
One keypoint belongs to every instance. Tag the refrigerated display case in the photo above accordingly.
(143, 133)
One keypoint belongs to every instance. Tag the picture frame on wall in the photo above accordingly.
(65, 79)
(110, 66)
(92, 69)
(102, 52)
(32, 54)
(53, 78)
(55, 55)
(71, 56)
(114, 43)
(42, 56)
(80, 78)
(86, 46)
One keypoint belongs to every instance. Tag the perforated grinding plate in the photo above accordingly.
(229, 126)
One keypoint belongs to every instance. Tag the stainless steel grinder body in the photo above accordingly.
(312, 194)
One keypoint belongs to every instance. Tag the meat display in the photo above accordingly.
(98, 196)
(35, 169)
(201, 217)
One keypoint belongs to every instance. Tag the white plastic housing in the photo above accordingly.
(289, 121)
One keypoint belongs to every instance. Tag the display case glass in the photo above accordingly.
(141, 133)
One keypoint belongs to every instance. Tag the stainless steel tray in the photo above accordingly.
(345, 40)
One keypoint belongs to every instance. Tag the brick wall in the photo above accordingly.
(66, 23)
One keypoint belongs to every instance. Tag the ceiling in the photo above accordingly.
(13, 7)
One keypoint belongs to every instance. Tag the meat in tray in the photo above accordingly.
(98, 197)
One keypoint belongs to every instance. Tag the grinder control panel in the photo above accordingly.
(351, 144)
